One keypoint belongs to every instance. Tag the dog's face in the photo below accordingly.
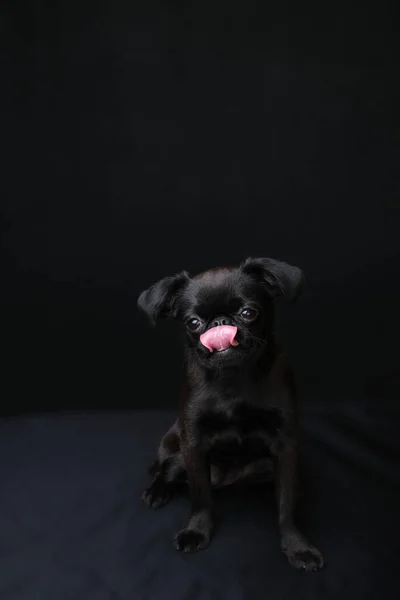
(227, 313)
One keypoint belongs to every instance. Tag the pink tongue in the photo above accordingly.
(219, 338)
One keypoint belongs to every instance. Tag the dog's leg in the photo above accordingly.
(166, 471)
(197, 533)
(296, 547)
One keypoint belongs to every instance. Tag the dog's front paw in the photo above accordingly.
(190, 540)
(300, 553)
(157, 495)
(307, 558)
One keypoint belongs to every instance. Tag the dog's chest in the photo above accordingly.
(241, 436)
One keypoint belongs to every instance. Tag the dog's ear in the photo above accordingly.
(281, 278)
(161, 300)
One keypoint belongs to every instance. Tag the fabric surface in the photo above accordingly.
(72, 525)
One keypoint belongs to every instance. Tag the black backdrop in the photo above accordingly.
(143, 138)
(140, 139)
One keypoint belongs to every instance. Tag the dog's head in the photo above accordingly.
(228, 312)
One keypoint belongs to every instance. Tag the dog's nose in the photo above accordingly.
(222, 320)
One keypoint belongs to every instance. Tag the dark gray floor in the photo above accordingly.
(72, 525)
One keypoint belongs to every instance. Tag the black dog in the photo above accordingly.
(238, 415)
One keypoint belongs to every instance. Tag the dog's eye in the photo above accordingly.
(193, 324)
(249, 314)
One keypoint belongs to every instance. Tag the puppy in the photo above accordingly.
(237, 419)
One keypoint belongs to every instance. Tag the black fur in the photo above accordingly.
(238, 416)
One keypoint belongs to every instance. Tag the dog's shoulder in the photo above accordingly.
(281, 373)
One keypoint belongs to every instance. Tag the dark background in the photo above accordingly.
(143, 138)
